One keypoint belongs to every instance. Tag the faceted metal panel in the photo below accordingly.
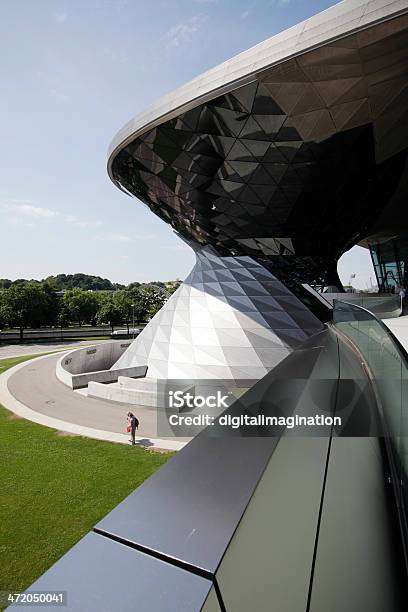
(335, 22)
(294, 167)
(288, 170)
(230, 319)
(189, 509)
(207, 485)
(100, 575)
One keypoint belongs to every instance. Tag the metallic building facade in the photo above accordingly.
(288, 155)
(293, 168)
(230, 319)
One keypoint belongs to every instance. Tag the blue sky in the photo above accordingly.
(72, 73)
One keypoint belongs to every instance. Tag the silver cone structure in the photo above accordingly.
(230, 319)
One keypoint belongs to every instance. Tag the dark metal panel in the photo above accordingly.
(357, 564)
(273, 545)
(358, 559)
(100, 575)
(189, 509)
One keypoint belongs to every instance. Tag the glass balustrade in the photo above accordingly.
(388, 363)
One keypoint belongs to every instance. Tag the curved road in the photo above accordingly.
(36, 386)
(33, 348)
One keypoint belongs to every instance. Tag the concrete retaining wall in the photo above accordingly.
(147, 392)
(94, 358)
(92, 363)
(148, 397)
(106, 376)
(153, 392)
(147, 384)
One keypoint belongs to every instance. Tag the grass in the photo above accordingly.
(54, 488)
(5, 364)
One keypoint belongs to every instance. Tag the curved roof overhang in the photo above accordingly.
(341, 20)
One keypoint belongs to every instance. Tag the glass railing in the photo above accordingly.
(382, 305)
(388, 363)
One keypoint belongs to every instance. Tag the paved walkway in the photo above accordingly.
(32, 391)
(18, 350)
(399, 327)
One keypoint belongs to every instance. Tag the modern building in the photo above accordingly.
(271, 166)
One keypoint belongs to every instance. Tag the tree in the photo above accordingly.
(134, 285)
(154, 309)
(135, 304)
(151, 298)
(52, 306)
(3, 317)
(63, 318)
(80, 306)
(123, 301)
(83, 281)
(26, 304)
(172, 286)
(109, 311)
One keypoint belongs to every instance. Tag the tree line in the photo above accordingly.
(62, 282)
(38, 304)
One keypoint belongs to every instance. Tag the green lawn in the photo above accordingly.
(54, 488)
(5, 364)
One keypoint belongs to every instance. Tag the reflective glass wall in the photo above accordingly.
(388, 363)
(390, 261)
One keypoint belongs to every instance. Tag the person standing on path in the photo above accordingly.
(132, 425)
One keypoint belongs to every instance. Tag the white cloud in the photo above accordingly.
(60, 17)
(114, 238)
(205, 1)
(280, 2)
(70, 218)
(80, 223)
(124, 238)
(180, 247)
(183, 33)
(88, 223)
(21, 209)
(53, 84)
(18, 201)
(20, 222)
(29, 210)
(246, 14)
(180, 33)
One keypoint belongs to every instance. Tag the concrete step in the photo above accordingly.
(115, 392)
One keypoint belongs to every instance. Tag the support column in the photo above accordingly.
(230, 319)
